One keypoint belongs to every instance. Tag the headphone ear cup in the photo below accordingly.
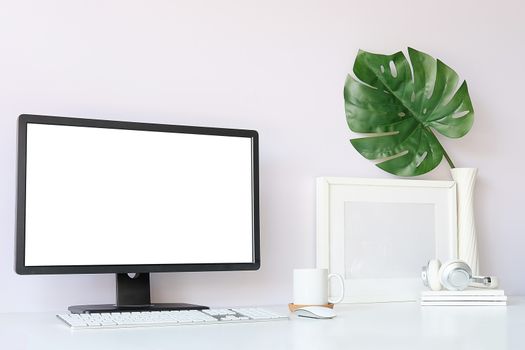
(433, 274)
(455, 275)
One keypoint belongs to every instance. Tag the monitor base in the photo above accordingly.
(86, 309)
(133, 294)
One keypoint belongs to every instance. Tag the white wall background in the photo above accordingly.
(277, 66)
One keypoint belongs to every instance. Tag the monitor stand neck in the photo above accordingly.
(133, 294)
(133, 290)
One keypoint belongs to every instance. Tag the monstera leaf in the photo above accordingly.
(399, 105)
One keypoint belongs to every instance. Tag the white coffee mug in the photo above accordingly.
(310, 287)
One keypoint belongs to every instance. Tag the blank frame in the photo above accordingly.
(378, 233)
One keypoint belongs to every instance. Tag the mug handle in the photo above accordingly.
(342, 283)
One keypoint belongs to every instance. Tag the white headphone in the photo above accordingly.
(453, 275)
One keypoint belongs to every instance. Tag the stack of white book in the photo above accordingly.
(468, 297)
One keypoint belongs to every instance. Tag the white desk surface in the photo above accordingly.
(361, 326)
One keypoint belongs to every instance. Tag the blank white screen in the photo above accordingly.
(97, 196)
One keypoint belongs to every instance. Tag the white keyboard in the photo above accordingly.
(168, 318)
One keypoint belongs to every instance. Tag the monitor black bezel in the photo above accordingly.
(22, 269)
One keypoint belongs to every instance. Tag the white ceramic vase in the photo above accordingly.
(467, 242)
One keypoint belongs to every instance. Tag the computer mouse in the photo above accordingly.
(315, 312)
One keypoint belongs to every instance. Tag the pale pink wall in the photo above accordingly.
(276, 66)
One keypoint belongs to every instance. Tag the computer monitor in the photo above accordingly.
(98, 196)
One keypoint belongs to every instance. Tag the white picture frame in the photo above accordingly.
(385, 264)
